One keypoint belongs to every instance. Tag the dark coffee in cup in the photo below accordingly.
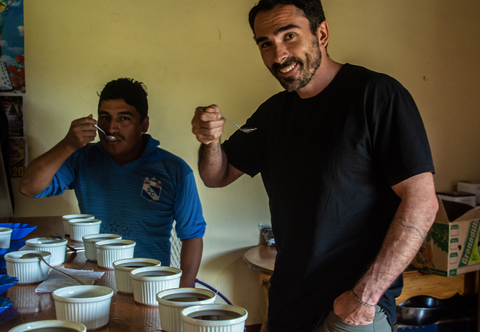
(54, 329)
(186, 297)
(155, 274)
(135, 265)
(214, 315)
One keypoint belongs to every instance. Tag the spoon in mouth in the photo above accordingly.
(109, 138)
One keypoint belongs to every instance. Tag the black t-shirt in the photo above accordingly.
(328, 164)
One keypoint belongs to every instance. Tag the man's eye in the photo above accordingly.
(265, 45)
(125, 118)
(289, 35)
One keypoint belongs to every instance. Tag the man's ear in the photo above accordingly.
(323, 34)
(145, 124)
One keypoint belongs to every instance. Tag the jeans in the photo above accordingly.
(333, 323)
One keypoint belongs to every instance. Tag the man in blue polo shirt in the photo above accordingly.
(136, 188)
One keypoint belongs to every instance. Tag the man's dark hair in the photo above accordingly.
(312, 10)
(133, 92)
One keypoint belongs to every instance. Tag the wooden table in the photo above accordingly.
(261, 258)
(125, 314)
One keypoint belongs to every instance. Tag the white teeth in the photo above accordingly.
(286, 70)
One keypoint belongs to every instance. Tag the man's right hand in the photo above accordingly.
(81, 132)
(40, 172)
(207, 124)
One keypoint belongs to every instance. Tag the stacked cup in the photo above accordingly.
(109, 251)
(89, 243)
(123, 267)
(148, 281)
(68, 217)
(56, 247)
(78, 228)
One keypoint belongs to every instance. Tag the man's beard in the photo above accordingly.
(309, 67)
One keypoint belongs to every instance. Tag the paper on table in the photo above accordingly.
(57, 280)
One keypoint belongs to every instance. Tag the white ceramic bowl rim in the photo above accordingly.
(115, 244)
(95, 293)
(44, 242)
(207, 307)
(77, 216)
(134, 273)
(5, 230)
(84, 222)
(184, 290)
(49, 323)
(92, 237)
(16, 256)
(117, 265)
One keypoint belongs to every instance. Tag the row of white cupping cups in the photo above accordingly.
(180, 309)
(152, 284)
(179, 319)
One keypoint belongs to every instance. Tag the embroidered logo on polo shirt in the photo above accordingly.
(151, 189)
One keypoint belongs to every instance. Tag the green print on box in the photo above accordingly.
(451, 247)
(470, 252)
(439, 235)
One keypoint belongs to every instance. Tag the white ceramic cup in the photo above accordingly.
(109, 251)
(27, 270)
(86, 304)
(123, 267)
(50, 325)
(5, 236)
(56, 247)
(223, 317)
(89, 244)
(171, 302)
(68, 217)
(148, 281)
(80, 227)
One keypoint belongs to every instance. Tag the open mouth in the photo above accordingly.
(286, 70)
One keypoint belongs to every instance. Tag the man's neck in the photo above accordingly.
(322, 78)
(135, 154)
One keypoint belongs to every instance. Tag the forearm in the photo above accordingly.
(190, 258)
(39, 173)
(408, 229)
(213, 165)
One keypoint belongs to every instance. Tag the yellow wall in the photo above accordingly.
(197, 52)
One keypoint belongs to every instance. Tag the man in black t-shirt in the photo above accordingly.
(347, 168)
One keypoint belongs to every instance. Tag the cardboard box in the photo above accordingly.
(470, 187)
(451, 247)
(459, 196)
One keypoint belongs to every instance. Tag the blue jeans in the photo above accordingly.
(333, 323)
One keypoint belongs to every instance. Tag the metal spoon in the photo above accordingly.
(58, 237)
(110, 138)
(33, 255)
(245, 129)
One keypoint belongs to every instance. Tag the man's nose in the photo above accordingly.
(281, 53)
(112, 126)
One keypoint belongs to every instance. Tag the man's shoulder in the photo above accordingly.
(368, 76)
(159, 155)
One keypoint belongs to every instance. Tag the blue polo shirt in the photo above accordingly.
(139, 200)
